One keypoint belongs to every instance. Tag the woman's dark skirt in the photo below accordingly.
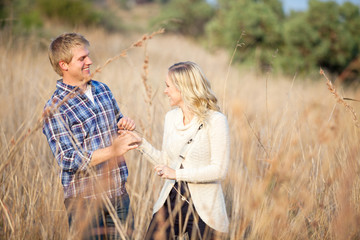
(177, 218)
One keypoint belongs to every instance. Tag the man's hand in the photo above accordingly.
(126, 123)
(124, 142)
(121, 144)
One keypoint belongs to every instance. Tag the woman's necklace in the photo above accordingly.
(183, 198)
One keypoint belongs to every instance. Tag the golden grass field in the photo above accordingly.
(295, 151)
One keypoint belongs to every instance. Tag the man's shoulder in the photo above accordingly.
(101, 89)
(100, 85)
(56, 97)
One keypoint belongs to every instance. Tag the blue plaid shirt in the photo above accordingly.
(75, 130)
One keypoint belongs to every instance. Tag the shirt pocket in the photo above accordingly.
(83, 128)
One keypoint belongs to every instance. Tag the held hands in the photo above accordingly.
(120, 145)
(126, 123)
(124, 142)
(165, 172)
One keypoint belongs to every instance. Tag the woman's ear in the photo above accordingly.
(63, 65)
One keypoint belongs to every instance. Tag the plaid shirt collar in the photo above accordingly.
(68, 88)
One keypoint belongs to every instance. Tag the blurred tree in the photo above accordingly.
(27, 15)
(319, 38)
(3, 13)
(326, 35)
(22, 15)
(185, 16)
(277, 7)
(74, 12)
(350, 16)
(261, 22)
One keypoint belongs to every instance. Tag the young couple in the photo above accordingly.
(88, 136)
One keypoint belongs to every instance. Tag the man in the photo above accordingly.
(88, 136)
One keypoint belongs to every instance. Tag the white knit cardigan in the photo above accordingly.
(205, 165)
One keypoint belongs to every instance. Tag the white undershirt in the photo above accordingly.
(88, 93)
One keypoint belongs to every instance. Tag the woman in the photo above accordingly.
(193, 160)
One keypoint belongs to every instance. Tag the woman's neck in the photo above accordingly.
(187, 115)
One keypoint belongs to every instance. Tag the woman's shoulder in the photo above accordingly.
(217, 119)
(214, 115)
(173, 113)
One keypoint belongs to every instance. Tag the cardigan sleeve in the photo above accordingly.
(152, 154)
(219, 140)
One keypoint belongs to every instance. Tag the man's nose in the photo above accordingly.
(88, 61)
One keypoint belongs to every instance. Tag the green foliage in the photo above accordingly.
(22, 15)
(31, 20)
(74, 12)
(185, 16)
(350, 17)
(27, 15)
(162, 1)
(260, 20)
(319, 38)
(3, 13)
(326, 35)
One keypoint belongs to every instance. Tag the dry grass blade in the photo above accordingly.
(7, 215)
(351, 99)
(238, 45)
(257, 137)
(339, 99)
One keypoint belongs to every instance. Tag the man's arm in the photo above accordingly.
(67, 151)
(121, 144)
(69, 154)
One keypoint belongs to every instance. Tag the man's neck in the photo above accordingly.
(81, 84)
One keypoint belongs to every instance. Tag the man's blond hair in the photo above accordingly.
(61, 49)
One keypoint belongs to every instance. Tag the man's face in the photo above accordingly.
(79, 67)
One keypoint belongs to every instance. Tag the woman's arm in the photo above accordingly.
(152, 154)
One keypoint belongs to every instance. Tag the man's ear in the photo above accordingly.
(63, 65)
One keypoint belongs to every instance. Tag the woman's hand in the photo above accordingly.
(124, 142)
(126, 123)
(165, 172)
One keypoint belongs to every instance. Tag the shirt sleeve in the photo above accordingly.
(219, 141)
(117, 111)
(66, 149)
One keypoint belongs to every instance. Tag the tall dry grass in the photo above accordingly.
(294, 171)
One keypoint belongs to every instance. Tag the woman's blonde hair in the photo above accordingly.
(195, 89)
(61, 49)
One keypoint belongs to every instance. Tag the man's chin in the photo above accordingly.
(87, 76)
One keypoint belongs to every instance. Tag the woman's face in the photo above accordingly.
(173, 93)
